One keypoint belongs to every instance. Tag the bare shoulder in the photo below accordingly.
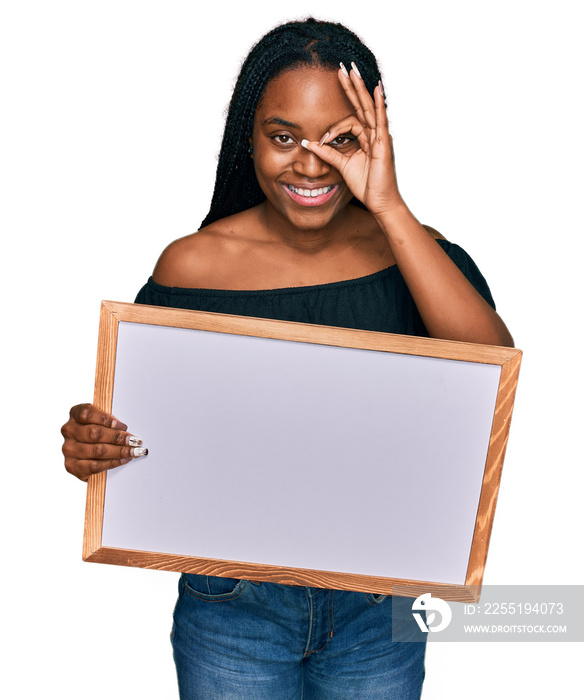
(183, 261)
(193, 261)
(433, 232)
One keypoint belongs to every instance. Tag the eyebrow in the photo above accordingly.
(281, 122)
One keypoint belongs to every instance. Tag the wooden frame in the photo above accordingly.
(468, 589)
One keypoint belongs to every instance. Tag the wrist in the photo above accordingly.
(392, 219)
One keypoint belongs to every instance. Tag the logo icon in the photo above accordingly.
(431, 606)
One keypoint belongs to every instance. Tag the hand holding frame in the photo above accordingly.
(368, 171)
(96, 441)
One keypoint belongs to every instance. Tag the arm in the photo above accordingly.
(449, 305)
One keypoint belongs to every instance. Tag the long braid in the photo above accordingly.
(310, 43)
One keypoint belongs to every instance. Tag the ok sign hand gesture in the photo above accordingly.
(369, 171)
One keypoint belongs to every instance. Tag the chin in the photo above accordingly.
(311, 221)
(310, 218)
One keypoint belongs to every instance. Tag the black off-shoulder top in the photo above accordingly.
(378, 302)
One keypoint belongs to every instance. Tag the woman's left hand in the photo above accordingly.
(369, 170)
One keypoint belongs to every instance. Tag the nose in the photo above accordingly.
(309, 165)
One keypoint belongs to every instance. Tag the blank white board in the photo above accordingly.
(299, 455)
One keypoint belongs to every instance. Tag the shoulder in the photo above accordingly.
(181, 261)
(193, 261)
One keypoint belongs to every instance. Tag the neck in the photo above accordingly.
(307, 241)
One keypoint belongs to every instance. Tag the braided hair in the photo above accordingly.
(305, 43)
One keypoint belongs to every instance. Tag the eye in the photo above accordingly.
(342, 141)
(283, 139)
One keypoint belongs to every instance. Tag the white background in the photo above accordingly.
(111, 122)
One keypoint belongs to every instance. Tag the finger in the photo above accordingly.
(349, 125)
(351, 93)
(101, 451)
(97, 434)
(327, 154)
(382, 131)
(366, 103)
(88, 413)
(84, 468)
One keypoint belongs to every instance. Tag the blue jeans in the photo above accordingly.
(243, 640)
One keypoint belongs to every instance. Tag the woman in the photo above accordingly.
(306, 224)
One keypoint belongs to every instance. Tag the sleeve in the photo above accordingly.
(154, 295)
(469, 269)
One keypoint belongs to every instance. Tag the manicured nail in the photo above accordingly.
(381, 89)
(139, 451)
(134, 441)
(304, 143)
(345, 72)
(354, 67)
(323, 139)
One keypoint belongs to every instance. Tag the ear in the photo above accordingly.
(250, 151)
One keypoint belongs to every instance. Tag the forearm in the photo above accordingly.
(449, 305)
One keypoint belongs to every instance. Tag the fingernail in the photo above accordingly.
(354, 67)
(304, 143)
(381, 88)
(345, 72)
(118, 425)
(132, 440)
(323, 139)
(139, 451)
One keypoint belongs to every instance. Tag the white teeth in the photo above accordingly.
(310, 193)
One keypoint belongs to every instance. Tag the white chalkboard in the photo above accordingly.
(298, 453)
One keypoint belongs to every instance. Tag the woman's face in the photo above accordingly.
(300, 188)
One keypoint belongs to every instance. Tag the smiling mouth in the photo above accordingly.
(311, 197)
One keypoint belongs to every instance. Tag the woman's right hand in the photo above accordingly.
(96, 441)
